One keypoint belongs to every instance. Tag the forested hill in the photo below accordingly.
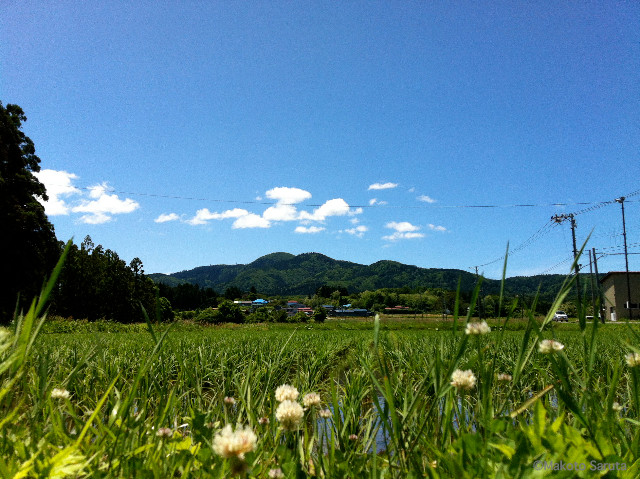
(284, 273)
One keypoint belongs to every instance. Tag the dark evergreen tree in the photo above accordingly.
(28, 245)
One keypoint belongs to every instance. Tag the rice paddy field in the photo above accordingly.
(335, 400)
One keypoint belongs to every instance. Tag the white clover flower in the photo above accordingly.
(60, 394)
(229, 443)
(289, 413)
(325, 413)
(617, 407)
(286, 393)
(463, 379)
(164, 432)
(229, 400)
(276, 473)
(263, 420)
(504, 377)
(311, 399)
(549, 346)
(633, 360)
(477, 328)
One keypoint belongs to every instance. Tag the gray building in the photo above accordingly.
(615, 291)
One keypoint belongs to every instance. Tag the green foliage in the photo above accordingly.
(95, 283)
(298, 318)
(208, 315)
(229, 312)
(319, 315)
(28, 245)
(164, 309)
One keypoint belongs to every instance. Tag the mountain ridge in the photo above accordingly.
(282, 273)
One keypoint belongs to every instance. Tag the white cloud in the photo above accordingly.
(374, 201)
(358, 231)
(437, 228)
(403, 230)
(58, 184)
(382, 186)
(163, 218)
(103, 205)
(251, 220)
(354, 221)
(286, 195)
(281, 212)
(334, 207)
(402, 226)
(426, 199)
(204, 215)
(95, 218)
(309, 230)
(398, 235)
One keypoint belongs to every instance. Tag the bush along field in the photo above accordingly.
(298, 402)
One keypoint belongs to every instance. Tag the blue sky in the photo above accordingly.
(196, 133)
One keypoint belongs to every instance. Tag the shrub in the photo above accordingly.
(209, 315)
(319, 314)
(230, 313)
(298, 318)
(279, 316)
(165, 312)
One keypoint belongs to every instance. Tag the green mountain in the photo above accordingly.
(288, 274)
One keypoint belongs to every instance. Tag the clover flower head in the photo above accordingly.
(477, 328)
(286, 393)
(164, 432)
(229, 400)
(633, 360)
(60, 394)
(290, 414)
(311, 399)
(617, 407)
(504, 377)
(325, 413)
(550, 346)
(276, 473)
(263, 420)
(463, 379)
(234, 444)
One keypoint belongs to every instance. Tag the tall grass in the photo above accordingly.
(155, 403)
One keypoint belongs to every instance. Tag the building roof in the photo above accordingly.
(616, 273)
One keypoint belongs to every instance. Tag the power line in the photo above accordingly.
(534, 237)
(423, 206)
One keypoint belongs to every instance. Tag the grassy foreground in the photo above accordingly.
(361, 401)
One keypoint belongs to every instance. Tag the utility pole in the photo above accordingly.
(626, 259)
(602, 312)
(560, 219)
(595, 286)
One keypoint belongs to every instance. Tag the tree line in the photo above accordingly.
(94, 282)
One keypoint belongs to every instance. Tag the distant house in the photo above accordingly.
(398, 310)
(243, 303)
(351, 312)
(293, 307)
(616, 295)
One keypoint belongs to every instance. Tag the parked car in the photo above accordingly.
(560, 316)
